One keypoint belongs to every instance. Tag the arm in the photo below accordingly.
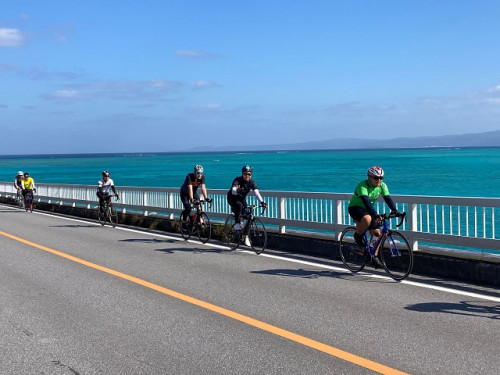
(204, 191)
(257, 194)
(390, 203)
(368, 205)
(235, 187)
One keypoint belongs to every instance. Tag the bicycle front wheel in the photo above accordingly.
(397, 255)
(112, 216)
(203, 227)
(185, 228)
(20, 202)
(351, 253)
(258, 235)
(232, 237)
(28, 205)
(101, 214)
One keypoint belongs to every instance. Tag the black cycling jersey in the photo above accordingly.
(193, 181)
(244, 187)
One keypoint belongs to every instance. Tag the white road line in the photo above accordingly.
(298, 261)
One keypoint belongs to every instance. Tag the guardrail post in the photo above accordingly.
(123, 199)
(282, 214)
(170, 204)
(338, 218)
(412, 223)
(87, 198)
(145, 202)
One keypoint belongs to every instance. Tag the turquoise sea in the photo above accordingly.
(466, 172)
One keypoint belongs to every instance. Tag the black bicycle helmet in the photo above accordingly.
(105, 173)
(247, 168)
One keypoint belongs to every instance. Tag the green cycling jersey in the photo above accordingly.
(372, 192)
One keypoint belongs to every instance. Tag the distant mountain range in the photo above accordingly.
(487, 139)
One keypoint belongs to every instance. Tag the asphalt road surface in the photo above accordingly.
(78, 298)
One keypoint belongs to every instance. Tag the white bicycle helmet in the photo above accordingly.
(198, 168)
(375, 171)
(20, 173)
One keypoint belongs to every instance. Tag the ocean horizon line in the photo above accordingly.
(251, 151)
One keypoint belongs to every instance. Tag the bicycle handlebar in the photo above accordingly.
(264, 208)
(198, 202)
(393, 215)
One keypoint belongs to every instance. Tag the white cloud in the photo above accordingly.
(195, 54)
(201, 84)
(11, 37)
(206, 108)
(118, 90)
(7, 67)
(64, 94)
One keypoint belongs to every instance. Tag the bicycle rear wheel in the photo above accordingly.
(185, 228)
(112, 216)
(232, 237)
(351, 253)
(397, 255)
(203, 227)
(258, 235)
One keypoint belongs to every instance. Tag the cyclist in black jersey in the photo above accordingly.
(189, 190)
(237, 195)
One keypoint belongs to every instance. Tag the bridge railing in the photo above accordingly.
(469, 226)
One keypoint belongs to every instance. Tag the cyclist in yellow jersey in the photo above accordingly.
(28, 184)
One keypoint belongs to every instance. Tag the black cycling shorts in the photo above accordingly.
(357, 214)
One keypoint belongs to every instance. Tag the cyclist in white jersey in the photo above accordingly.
(104, 186)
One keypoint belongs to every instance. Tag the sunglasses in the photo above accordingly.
(377, 178)
(199, 172)
(247, 174)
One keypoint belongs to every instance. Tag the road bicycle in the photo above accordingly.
(394, 250)
(28, 200)
(198, 223)
(250, 226)
(20, 201)
(106, 212)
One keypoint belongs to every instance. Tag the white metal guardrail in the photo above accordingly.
(458, 223)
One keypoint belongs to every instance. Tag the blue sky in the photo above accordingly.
(159, 76)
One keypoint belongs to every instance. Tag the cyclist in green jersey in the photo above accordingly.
(361, 204)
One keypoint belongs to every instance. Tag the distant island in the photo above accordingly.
(487, 139)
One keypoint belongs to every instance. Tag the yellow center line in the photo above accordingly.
(349, 357)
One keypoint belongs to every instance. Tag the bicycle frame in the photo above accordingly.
(106, 211)
(198, 204)
(249, 217)
(385, 231)
(198, 222)
(253, 230)
(28, 200)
